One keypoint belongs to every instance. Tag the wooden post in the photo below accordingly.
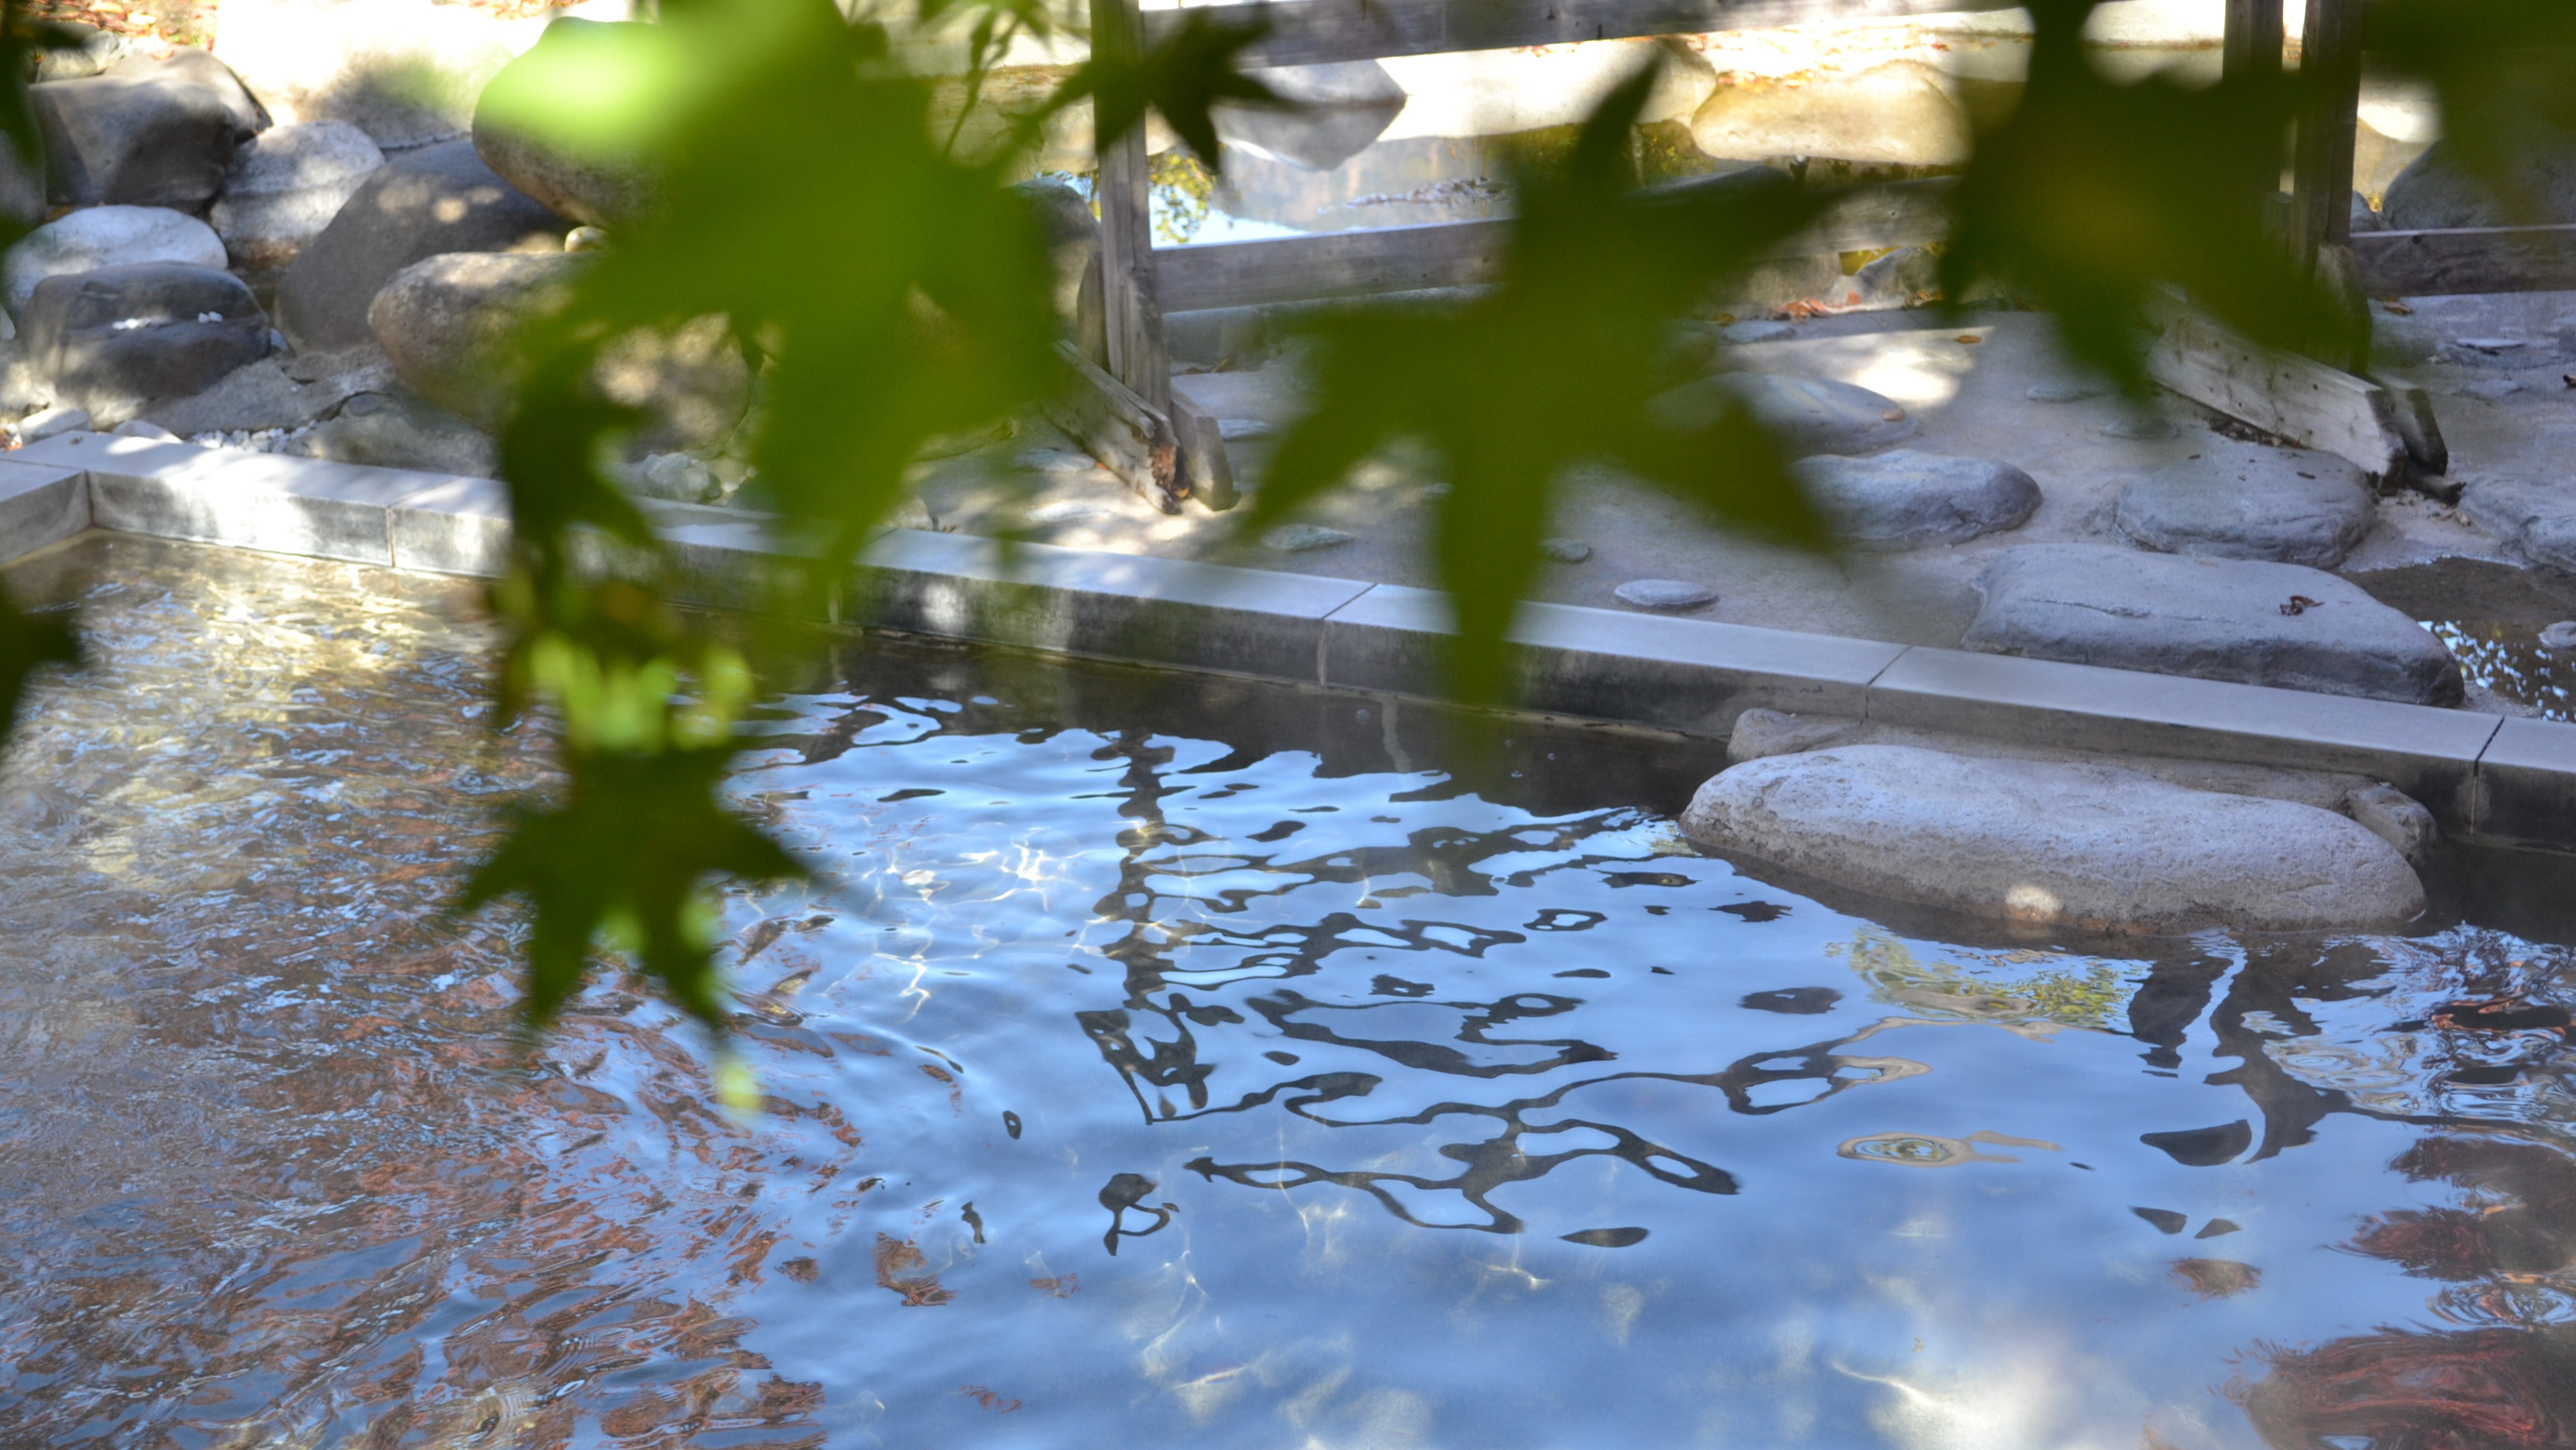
(2253, 45)
(1138, 355)
(2329, 102)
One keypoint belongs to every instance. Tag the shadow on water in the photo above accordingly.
(1186, 1059)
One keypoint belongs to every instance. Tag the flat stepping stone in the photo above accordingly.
(1303, 538)
(2061, 392)
(2066, 845)
(1666, 594)
(1808, 415)
(2560, 638)
(1909, 500)
(2239, 501)
(2533, 519)
(1564, 551)
(2251, 621)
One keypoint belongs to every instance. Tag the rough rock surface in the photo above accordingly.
(1808, 415)
(597, 187)
(285, 186)
(262, 396)
(114, 339)
(1901, 112)
(2533, 519)
(105, 236)
(2431, 194)
(1908, 500)
(399, 429)
(1338, 109)
(2084, 846)
(144, 132)
(435, 200)
(2244, 501)
(446, 324)
(1906, 277)
(406, 72)
(2255, 622)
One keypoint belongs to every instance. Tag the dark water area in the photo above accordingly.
(1166, 1060)
(2490, 616)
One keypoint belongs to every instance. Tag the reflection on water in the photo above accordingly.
(1175, 1060)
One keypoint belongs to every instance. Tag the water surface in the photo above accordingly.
(1165, 1061)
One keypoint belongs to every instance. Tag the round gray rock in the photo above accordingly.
(1667, 594)
(597, 186)
(2433, 194)
(424, 203)
(1564, 551)
(285, 186)
(105, 236)
(144, 132)
(1807, 415)
(1908, 500)
(2061, 845)
(2251, 621)
(114, 339)
(2240, 501)
(2535, 520)
(2560, 638)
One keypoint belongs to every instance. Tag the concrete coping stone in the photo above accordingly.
(2509, 780)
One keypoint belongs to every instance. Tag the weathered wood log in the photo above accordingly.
(1138, 353)
(1315, 32)
(2329, 100)
(1132, 438)
(2297, 398)
(1459, 254)
(1205, 471)
(2470, 259)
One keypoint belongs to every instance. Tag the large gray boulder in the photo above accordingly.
(400, 429)
(2255, 622)
(599, 186)
(1807, 415)
(143, 132)
(2533, 519)
(449, 325)
(1335, 111)
(2243, 501)
(113, 340)
(285, 186)
(1902, 112)
(1909, 500)
(105, 236)
(2060, 845)
(435, 200)
(2432, 194)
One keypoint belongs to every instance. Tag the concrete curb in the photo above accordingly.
(2502, 780)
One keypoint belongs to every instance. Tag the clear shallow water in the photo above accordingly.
(1175, 1062)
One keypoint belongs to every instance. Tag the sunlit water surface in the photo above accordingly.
(1166, 1062)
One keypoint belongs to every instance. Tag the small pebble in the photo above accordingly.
(2491, 388)
(2560, 638)
(1243, 430)
(1744, 332)
(1565, 551)
(2061, 392)
(585, 239)
(2136, 429)
(1302, 538)
(1665, 594)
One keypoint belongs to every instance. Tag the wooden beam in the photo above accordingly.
(2471, 259)
(1316, 32)
(1132, 438)
(1459, 254)
(1137, 353)
(2253, 38)
(2298, 398)
(2329, 101)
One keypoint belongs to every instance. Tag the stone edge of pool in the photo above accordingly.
(2504, 780)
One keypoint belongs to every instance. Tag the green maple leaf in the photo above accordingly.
(1555, 369)
(1184, 78)
(627, 854)
(2094, 192)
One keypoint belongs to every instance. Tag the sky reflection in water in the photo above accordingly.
(1183, 1062)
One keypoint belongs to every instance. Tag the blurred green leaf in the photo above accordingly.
(27, 642)
(628, 855)
(2505, 71)
(1183, 78)
(2095, 191)
(1558, 368)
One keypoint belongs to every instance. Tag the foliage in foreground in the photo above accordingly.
(890, 289)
